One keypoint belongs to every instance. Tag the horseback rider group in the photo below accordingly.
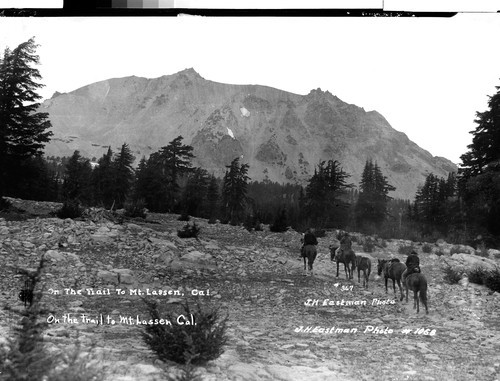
(309, 239)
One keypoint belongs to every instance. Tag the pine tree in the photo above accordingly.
(212, 198)
(234, 191)
(123, 175)
(195, 193)
(23, 130)
(326, 192)
(371, 207)
(479, 173)
(77, 181)
(102, 180)
(152, 183)
(175, 161)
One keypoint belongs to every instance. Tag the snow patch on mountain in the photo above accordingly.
(244, 112)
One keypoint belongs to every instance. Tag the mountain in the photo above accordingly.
(282, 136)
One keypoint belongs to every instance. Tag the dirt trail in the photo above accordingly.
(259, 283)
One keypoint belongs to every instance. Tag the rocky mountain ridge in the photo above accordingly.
(282, 135)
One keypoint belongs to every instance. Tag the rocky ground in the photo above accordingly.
(257, 280)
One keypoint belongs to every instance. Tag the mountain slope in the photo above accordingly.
(281, 135)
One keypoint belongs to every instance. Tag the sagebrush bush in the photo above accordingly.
(320, 233)
(189, 231)
(354, 239)
(70, 209)
(439, 253)
(135, 209)
(455, 250)
(184, 217)
(252, 223)
(406, 249)
(482, 251)
(212, 220)
(492, 280)
(369, 245)
(187, 344)
(427, 248)
(4, 204)
(477, 275)
(451, 275)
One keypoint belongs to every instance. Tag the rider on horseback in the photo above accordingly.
(308, 239)
(412, 264)
(345, 243)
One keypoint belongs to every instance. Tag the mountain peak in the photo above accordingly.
(190, 72)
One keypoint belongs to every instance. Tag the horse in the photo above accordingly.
(347, 258)
(418, 284)
(309, 252)
(363, 264)
(393, 270)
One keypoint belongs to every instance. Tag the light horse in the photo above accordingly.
(309, 252)
(393, 270)
(347, 257)
(363, 264)
(418, 284)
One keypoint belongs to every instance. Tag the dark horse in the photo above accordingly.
(309, 252)
(393, 270)
(348, 258)
(364, 264)
(418, 284)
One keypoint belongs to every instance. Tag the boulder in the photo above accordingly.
(108, 276)
(124, 276)
(493, 253)
(56, 256)
(198, 257)
(105, 238)
(470, 261)
(162, 243)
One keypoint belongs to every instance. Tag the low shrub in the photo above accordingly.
(70, 209)
(184, 217)
(4, 204)
(451, 275)
(189, 231)
(320, 233)
(439, 253)
(427, 248)
(492, 280)
(252, 223)
(355, 239)
(406, 249)
(369, 245)
(477, 275)
(135, 209)
(455, 250)
(187, 344)
(482, 251)
(212, 220)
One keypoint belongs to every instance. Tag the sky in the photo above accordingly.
(427, 76)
